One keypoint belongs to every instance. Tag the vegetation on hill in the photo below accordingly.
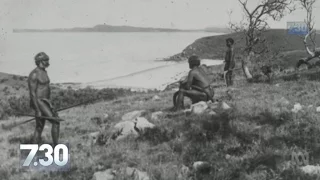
(289, 47)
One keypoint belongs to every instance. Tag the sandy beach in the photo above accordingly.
(155, 78)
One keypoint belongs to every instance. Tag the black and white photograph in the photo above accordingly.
(160, 90)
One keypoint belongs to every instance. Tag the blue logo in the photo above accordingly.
(297, 28)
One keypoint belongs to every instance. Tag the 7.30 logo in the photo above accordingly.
(45, 157)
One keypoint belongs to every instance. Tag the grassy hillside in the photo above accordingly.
(213, 47)
(253, 140)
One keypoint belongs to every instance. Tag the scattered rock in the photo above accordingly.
(131, 128)
(156, 98)
(228, 156)
(310, 169)
(225, 106)
(310, 106)
(93, 137)
(108, 174)
(157, 115)
(318, 109)
(202, 167)
(199, 107)
(277, 85)
(296, 108)
(132, 115)
(106, 115)
(135, 174)
(123, 130)
(142, 123)
(284, 101)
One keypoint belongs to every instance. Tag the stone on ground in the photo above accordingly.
(199, 107)
(318, 109)
(310, 169)
(157, 115)
(225, 106)
(131, 128)
(104, 175)
(296, 108)
(156, 98)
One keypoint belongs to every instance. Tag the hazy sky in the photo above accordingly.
(183, 14)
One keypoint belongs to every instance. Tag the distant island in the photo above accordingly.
(109, 28)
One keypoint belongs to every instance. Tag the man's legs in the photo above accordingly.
(38, 130)
(229, 78)
(46, 110)
(194, 95)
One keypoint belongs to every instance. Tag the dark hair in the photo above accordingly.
(194, 60)
(230, 40)
(40, 57)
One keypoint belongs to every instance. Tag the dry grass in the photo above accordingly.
(258, 137)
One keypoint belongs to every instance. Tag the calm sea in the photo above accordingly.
(87, 57)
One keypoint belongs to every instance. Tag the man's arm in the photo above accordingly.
(190, 79)
(33, 84)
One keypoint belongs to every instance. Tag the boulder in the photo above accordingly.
(310, 169)
(131, 128)
(156, 98)
(104, 175)
(225, 106)
(124, 129)
(106, 115)
(132, 115)
(135, 174)
(142, 123)
(318, 109)
(296, 108)
(199, 107)
(93, 137)
(157, 115)
(284, 101)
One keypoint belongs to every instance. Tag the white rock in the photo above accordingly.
(142, 123)
(277, 85)
(228, 156)
(156, 98)
(310, 169)
(199, 107)
(284, 101)
(318, 109)
(157, 115)
(93, 137)
(135, 174)
(296, 108)
(310, 106)
(132, 115)
(225, 106)
(106, 115)
(124, 129)
(104, 175)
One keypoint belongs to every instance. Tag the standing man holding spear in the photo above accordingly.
(39, 90)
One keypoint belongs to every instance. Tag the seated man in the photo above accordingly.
(196, 86)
